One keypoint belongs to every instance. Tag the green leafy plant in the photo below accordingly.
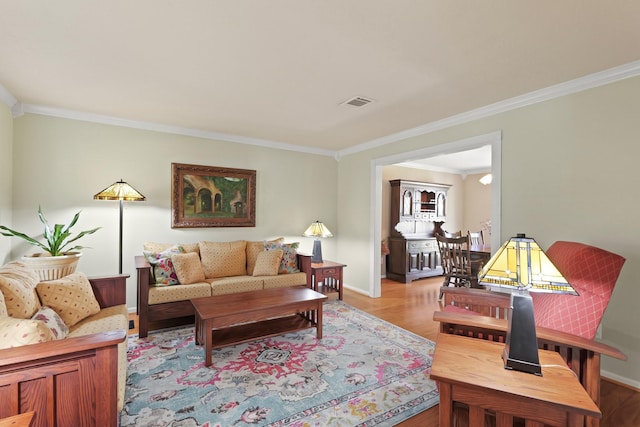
(56, 237)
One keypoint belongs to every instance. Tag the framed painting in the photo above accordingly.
(209, 196)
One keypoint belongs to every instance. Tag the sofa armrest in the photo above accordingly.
(47, 377)
(110, 290)
(458, 323)
(304, 264)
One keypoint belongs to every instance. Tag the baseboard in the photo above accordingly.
(357, 290)
(623, 381)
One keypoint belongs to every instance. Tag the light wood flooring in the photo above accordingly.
(411, 307)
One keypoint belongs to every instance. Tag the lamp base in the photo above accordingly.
(521, 349)
(316, 256)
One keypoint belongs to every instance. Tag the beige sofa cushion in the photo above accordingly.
(161, 247)
(223, 259)
(18, 285)
(188, 268)
(268, 263)
(282, 280)
(253, 249)
(18, 332)
(71, 297)
(231, 285)
(178, 293)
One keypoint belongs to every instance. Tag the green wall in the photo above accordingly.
(61, 163)
(569, 172)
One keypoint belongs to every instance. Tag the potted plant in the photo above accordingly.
(59, 259)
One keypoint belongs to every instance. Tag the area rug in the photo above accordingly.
(363, 372)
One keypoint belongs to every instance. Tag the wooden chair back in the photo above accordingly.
(453, 233)
(456, 261)
(476, 237)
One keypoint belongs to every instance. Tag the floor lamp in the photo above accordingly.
(123, 192)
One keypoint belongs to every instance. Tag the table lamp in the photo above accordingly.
(120, 191)
(317, 230)
(522, 266)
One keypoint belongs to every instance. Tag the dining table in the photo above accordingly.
(479, 255)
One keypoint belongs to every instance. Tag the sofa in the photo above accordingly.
(63, 347)
(170, 275)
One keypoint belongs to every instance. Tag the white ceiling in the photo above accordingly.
(278, 71)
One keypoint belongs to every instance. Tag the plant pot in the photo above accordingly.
(52, 267)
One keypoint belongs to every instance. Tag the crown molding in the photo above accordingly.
(157, 127)
(611, 75)
(590, 81)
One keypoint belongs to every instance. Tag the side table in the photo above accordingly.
(470, 371)
(326, 277)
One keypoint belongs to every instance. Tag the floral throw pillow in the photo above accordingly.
(163, 271)
(289, 262)
(53, 321)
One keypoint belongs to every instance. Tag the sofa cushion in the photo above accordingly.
(282, 280)
(268, 263)
(18, 332)
(253, 249)
(188, 268)
(53, 321)
(163, 271)
(18, 285)
(161, 247)
(289, 263)
(224, 259)
(71, 297)
(178, 293)
(231, 285)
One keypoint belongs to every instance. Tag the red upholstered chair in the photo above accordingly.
(592, 272)
(564, 323)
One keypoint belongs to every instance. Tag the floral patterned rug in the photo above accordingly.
(363, 372)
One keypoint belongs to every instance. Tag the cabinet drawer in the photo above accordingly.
(422, 245)
(327, 271)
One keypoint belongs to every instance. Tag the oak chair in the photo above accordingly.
(476, 237)
(560, 327)
(456, 261)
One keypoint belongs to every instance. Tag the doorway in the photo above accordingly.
(493, 139)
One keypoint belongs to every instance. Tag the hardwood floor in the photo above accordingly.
(411, 307)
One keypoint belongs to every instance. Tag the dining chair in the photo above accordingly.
(476, 237)
(456, 261)
(453, 234)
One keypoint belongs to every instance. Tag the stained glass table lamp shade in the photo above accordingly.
(522, 266)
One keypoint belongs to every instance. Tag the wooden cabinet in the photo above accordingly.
(417, 209)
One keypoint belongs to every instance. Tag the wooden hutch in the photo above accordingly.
(418, 210)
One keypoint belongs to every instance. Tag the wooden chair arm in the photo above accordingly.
(10, 357)
(489, 324)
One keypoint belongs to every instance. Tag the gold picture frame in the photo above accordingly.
(210, 196)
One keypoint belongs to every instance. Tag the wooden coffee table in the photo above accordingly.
(223, 320)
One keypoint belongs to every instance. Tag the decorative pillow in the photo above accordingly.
(50, 318)
(224, 259)
(188, 268)
(253, 249)
(163, 271)
(71, 297)
(268, 263)
(289, 263)
(18, 332)
(18, 285)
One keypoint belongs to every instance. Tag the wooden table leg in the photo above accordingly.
(319, 320)
(207, 331)
(446, 405)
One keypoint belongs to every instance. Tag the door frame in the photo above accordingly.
(493, 138)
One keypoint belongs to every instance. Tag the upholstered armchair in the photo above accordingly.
(564, 323)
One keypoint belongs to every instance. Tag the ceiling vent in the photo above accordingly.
(358, 101)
